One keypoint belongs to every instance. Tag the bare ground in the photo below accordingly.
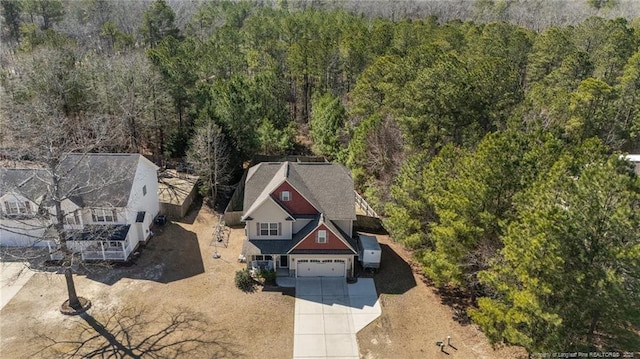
(178, 301)
(415, 317)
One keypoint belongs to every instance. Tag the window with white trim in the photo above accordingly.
(73, 219)
(285, 196)
(104, 215)
(17, 207)
(321, 236)
(269, 229)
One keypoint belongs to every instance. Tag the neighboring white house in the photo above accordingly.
(635, 159)
(109, 202)
(299, 218)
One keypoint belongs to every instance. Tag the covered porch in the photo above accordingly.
(99, 243)
(259, 261)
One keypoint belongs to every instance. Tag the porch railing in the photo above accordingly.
(106, 255)
(257, 266)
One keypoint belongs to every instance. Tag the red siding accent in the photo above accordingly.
(333, 242)
(297, 204)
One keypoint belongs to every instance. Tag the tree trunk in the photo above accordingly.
(595, 317)
(71, 288)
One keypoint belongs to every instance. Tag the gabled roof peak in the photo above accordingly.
(326, 186)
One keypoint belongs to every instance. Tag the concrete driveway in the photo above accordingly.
(13, 276)
(328, 314)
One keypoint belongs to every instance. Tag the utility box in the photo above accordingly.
(369, 251)
(161, 220)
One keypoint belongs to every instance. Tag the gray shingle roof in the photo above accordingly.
(328, 186)
(100, 180)
(99, 232)
(27, 182)
(91, 180)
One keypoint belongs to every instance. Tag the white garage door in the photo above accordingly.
(321, 268)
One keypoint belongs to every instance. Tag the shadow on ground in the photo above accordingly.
(172, 254)
(192, 213)
(369, 225)
(137, 332)
(395, 275)
(287, 291)
(458, 301)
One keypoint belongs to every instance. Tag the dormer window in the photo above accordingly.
(285, 196)
(17, 207)
(104, 215)
(73, 219)
(321, 236)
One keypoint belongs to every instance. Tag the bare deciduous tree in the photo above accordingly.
(45, 121)
(210, 158)
(385, 151)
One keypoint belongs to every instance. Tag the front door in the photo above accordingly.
(284, 261)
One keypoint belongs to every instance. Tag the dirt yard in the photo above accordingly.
(178, 301)
(414, 317)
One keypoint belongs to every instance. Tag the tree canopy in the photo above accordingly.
(489, 137)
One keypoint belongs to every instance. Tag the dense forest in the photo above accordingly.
(488, 133)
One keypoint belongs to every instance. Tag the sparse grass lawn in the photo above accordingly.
(176, 301)
(414, 317)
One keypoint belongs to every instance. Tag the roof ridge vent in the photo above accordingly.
(286, 169)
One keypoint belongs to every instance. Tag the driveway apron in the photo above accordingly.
(329, 313)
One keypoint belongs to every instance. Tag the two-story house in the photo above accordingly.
(299, 218)
(108, 202)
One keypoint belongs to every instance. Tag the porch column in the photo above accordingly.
(124, 251)
(104, 257)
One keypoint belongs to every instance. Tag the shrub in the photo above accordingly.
(244, 280)
(269, 276)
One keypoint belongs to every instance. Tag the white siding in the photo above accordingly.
(21, 231)
(345, 224)
(269, 212)
(146, 176)
(121, 213)
(16, 197)
(68, 208)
